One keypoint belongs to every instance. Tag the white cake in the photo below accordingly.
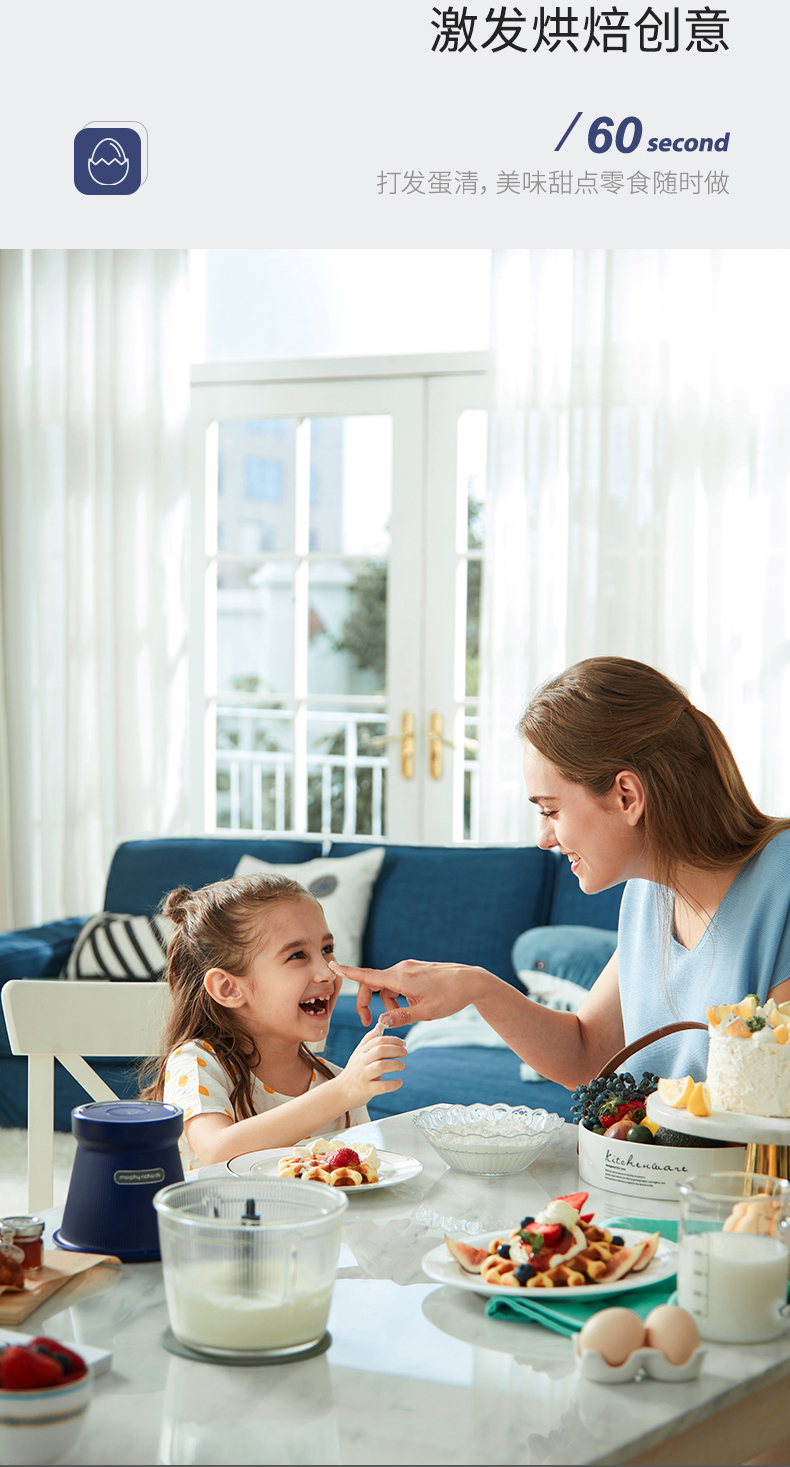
(749, 1058)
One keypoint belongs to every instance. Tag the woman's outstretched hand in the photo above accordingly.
(432, 990)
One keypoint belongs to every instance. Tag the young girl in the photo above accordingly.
(248, 969)
(633, 783)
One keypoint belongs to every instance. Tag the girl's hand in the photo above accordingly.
(365, 1074)
(433, 990)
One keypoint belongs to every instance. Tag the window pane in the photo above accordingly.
(471, 781)
(347, 627)
(255, 629)
(254, 768)
(346, 772)
(472, 448)
(472, 451)
(350, 485)
(256, 486)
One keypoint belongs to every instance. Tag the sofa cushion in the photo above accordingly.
(577, 954)
(117, 946)
(571, 906)
(455, 904)
(143, 871)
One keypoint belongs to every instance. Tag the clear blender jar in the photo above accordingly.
(249, 1263)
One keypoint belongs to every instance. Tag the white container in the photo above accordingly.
(37, 1427)
(487, 1140)
(733, 1281)
(255, 1286)
(638, 1170)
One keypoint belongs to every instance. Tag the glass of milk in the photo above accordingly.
(733, 1255)
(249, 1263)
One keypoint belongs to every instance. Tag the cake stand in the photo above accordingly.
(767, 1138)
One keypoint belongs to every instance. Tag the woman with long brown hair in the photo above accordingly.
(635, 784)
(248, 970)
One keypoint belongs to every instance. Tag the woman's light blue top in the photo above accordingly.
(744, 949)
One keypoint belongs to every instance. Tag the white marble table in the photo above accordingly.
(416, 1372)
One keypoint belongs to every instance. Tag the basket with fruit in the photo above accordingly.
(621, 1149)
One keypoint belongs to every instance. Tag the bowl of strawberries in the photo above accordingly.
(45, 1390)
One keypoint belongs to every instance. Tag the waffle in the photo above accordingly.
(591, 1266)
(314, 1170)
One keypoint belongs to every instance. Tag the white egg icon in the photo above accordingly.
(108, 164)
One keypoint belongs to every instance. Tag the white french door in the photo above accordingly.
(331, 597)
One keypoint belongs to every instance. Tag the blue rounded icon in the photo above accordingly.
(107, 160)
(108, 164)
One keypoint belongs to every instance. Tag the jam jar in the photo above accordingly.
(26, 1234)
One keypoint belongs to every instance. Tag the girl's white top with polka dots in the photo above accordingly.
(195, 1080)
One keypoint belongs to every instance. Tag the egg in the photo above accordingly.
(672, 1330)
(614, 1333)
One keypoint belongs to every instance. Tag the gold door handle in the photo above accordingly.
(406, 740)
(438, 742)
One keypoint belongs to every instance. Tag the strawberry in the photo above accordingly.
(574, 1199)
(344, 1156)
(71, 1363)
(550, 1232)
(23, 1369)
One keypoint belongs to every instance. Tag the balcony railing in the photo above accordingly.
(255, 786)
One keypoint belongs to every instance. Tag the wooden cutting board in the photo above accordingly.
(57, 1269)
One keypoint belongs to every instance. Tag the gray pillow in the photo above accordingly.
(578, 954)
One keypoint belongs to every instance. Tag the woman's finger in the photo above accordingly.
(367, 977)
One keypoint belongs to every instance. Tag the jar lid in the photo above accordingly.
(128, 1124)
(24, 1227)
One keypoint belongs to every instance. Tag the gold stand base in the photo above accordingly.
(768, 1161)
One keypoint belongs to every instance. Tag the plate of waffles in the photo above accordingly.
(392, 1169)
(443, 1266)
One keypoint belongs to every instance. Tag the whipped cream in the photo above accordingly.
(311, 1149)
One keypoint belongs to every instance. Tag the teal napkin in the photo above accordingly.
(567, 1314)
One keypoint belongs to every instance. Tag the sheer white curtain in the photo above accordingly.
(639, 493)
(94, 396)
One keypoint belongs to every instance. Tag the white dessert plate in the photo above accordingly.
(721, 1125)
(440, 1265)
(393, 1169)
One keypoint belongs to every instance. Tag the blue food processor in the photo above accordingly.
(127, 1150)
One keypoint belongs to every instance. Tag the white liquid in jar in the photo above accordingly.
(208, 1309)
(734, 1284)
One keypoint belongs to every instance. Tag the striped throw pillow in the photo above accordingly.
(115, 946)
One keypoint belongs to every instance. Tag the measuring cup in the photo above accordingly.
(733, 1255)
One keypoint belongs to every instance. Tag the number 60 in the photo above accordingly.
(599, 137)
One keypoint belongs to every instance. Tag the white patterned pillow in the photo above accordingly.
(342, 884)
(116, 946)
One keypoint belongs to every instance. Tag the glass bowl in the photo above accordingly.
(487, 1140)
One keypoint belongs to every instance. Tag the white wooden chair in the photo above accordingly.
(49, 1020)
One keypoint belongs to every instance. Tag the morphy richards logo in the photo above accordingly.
(110, 158)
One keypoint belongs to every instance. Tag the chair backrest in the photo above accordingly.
(49, 1020)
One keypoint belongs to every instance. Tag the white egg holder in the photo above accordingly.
(645, 1361)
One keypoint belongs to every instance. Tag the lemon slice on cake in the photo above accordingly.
(699, 1100)
(676, 1093)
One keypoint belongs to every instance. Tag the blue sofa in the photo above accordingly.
(464, 904)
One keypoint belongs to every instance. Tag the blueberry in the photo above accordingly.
(525, 1221)
(618, 1240)
(523, 1272)
(504, 1250)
